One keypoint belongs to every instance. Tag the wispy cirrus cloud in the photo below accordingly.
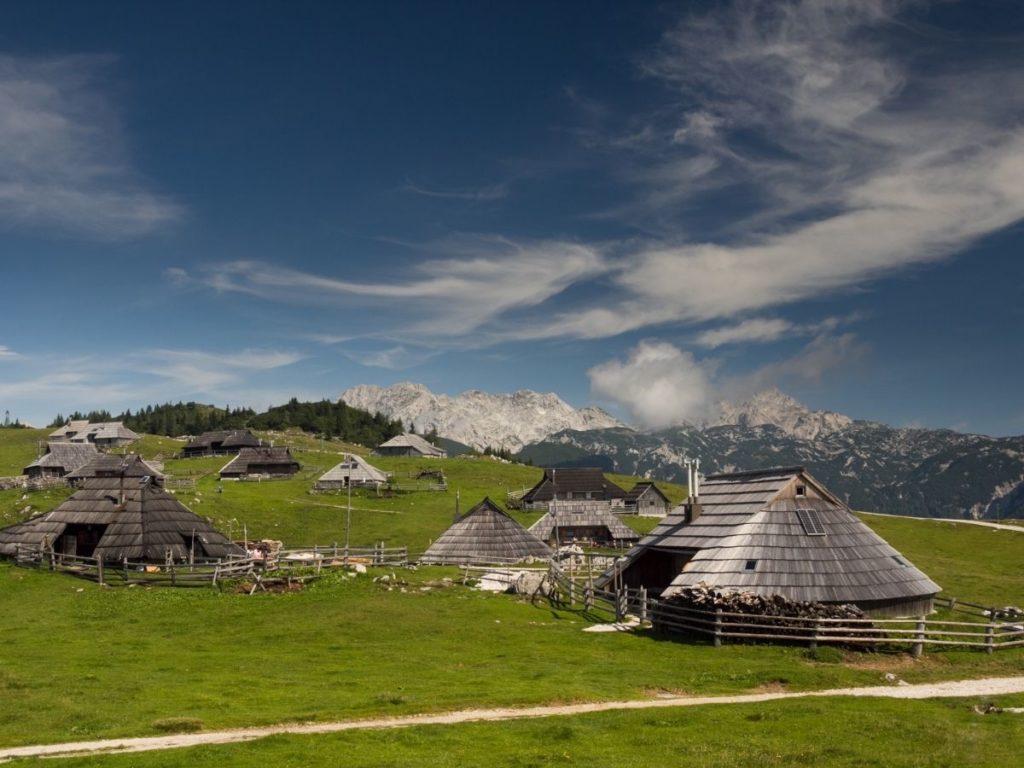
(442, 297)
(762, 330)
(475, 194)
(7, 352)
(63, 157)
(201, 371)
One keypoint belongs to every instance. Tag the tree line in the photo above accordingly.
(328, 418)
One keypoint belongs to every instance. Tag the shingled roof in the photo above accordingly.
(221, 441)
(414, 444)
(779, 531)
(115, 465)
(588, 515)
(361, 472)
(62, 458)
(261, 461)
(573, 482)
(485, 534)
(131, 517)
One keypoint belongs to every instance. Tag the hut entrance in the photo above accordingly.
(81, 540)
(656, 568)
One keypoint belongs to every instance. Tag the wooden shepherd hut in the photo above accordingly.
(220, 441)
(777, 532)
(410, 445)
(486, 535)
(119, 516)
(353, 471)
(106, 434)
(61, 459)
(590, 522)
(268, 461)
(647, 499)
(573, 483)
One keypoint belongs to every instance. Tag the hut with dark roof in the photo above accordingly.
(266, 461)
(220, 441)
(591, 522)
(353, 471)
(117, 516)
(61, 459)
(107, 434)
(573, 483)
(410, 445)
(113, 465)
(486, 535)
(646, 498)
(777, 532)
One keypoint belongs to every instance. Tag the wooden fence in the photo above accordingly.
(913, 634)
(320, 556)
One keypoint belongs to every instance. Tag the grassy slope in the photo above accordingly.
(79, 662)
(786, 733)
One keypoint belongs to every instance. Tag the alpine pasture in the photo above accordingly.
(80, 661)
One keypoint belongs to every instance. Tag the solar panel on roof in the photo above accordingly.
(811, 522)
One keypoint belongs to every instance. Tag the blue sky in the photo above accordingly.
(644, 206)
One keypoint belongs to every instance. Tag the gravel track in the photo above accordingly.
(983, 687)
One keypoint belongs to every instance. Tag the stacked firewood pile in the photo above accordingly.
(768, 614)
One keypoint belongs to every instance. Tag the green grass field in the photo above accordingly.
(839, 733)
(79, 661)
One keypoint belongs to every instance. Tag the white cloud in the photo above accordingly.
(62, 154)
(7, 352)
(476, 195)
(761, 330)
(659, 384)
(197, 371)
(442, 297)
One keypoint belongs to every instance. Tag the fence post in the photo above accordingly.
(620, 599)
(643, 604)
(813, 644)
(126, 570)
(990, 639)
(588, 598)
(99, 571)
(174, 582)
(918, 647)
(572, 584)
(718, 628)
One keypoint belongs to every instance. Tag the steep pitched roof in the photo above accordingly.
(65, 456)
(485, 534)
(224, 439)
(642, 487)
(80, 431)
(356, 467)
(415, 442)
(250, 460)
(141, 521)
(114, 465)
(565, 481)
(592, 516)
(749, 537)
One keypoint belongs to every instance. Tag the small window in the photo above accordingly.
(801, 490)
(751, 565)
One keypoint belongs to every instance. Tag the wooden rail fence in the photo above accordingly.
(913, 634)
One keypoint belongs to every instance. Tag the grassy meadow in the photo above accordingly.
(79, 661)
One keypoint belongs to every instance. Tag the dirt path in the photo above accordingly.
(985, 687)
(997, 526)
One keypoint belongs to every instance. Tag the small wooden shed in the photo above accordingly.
(61, 459)
(410, 445)
(590, 522)
(646, 498)
(263, 461)
(486, 535)
(353, 471)
(573, 484)
(118, 516)
(220, 441)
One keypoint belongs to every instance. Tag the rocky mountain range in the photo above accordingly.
(476, 418)
(921, 472)
(900, 470)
